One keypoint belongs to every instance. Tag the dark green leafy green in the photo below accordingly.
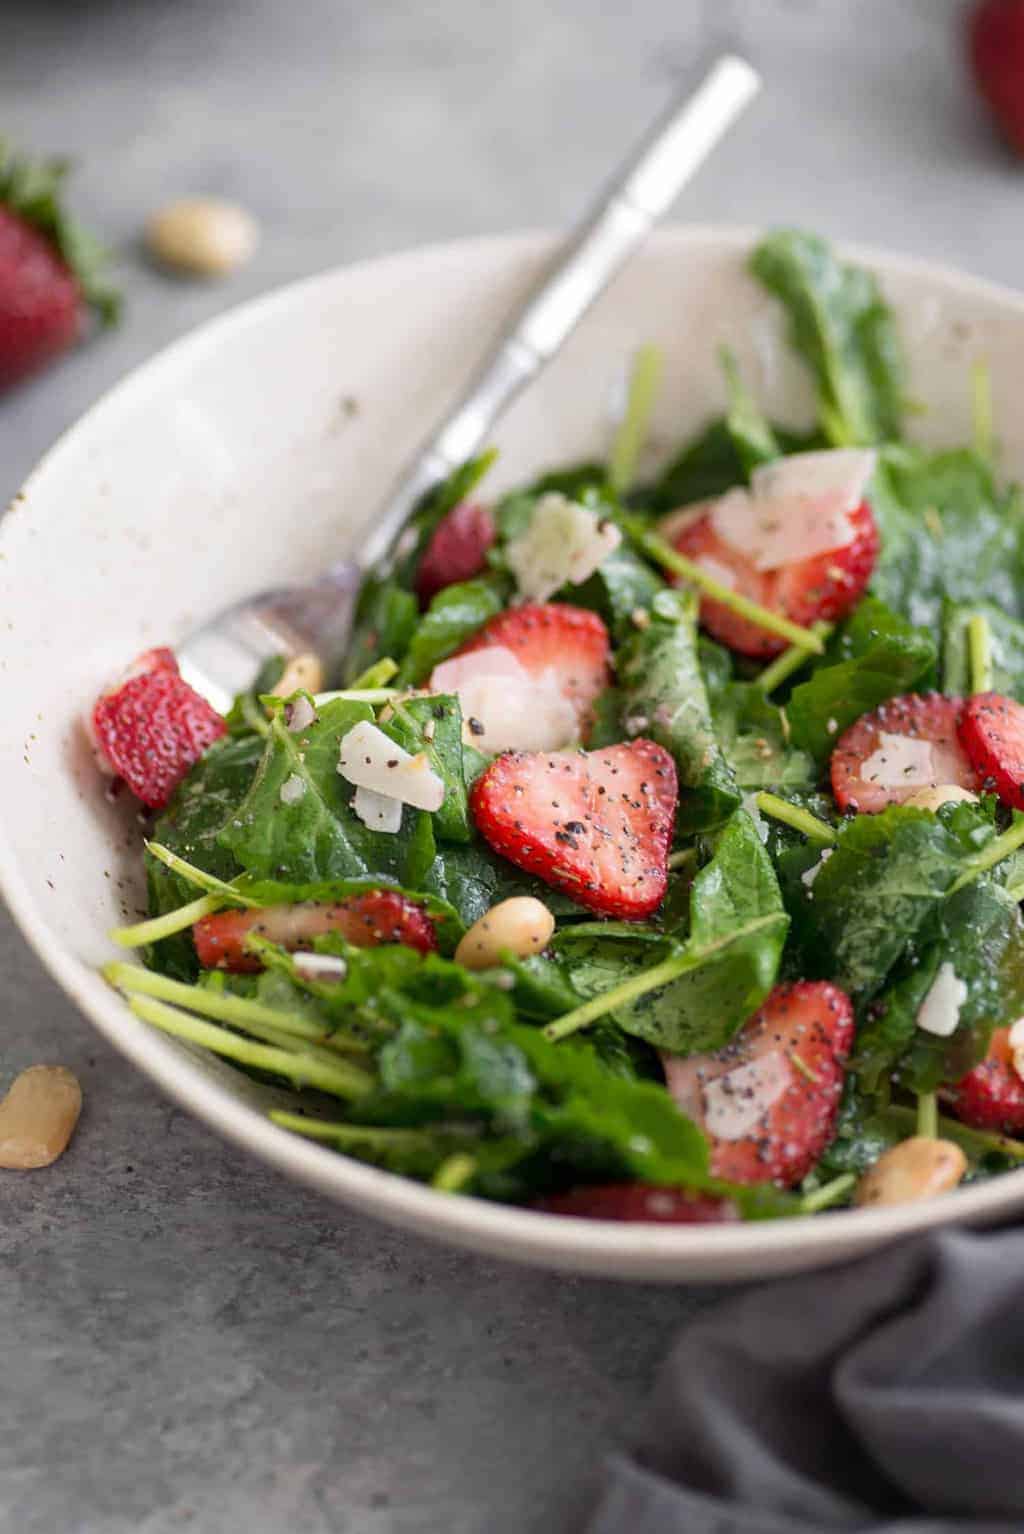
(869, 1126)
(317, 836)
(191, 826)
(753, 438)
(886, 876)
(434, 726)
(664, 699)
(385, 621)
(737, 929)
(876, 655)
(623, 585)
(453, 616)
(841, 326)
(949, 534)
(978, 931)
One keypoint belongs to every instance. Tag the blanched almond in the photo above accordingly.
(521, 925)
(202, 235)
(303, 672)
(916, 1168)
(38, 1117)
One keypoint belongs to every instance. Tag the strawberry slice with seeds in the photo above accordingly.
(641, 1201)
(991, 1096)
(992, 734)
(457, 549)
(552, 639)
(595, 824)
(768, 1100)
(365, 921)
(152, 727)
(824, 587)
(904, 745)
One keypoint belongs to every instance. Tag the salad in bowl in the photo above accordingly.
(656, 853)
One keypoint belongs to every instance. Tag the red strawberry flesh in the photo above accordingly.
(153, 727)
(40, 299)
(801, 1036)
(991, 1096)
(595, 824)
(996, 44)
(824, 587)
(570, 642)
(366, 921)
(641, 1202)
(864, 764)
(992, 734)
(457, 549)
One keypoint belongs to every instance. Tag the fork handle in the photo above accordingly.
(673, 150)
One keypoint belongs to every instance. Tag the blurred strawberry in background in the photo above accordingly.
(51, 271)
(996, 37)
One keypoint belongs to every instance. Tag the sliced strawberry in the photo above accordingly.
(991, 1096)
(551, 637)
(366, 921)
(641, 1201)
(457, 549)
(992, 734)
(904, 745)
(825, 586)
(768, 1100)
(152, 727)
(596, 824)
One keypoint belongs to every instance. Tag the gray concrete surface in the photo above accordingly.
(188, 1341)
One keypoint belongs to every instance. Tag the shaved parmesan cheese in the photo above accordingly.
(378, 811)
(939, 1013)
(809, 875)
(840, 473)
(797, 507)
(320, 966)
(1016, 1039)
(510, 709)
(900, 761)
(563, 545)
(292, 789)
(371, 759)
(735, 1103)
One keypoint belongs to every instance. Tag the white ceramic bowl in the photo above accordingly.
(234, 460)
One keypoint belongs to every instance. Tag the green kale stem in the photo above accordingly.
(305, 1069)
(351, 1136)
(782, 668)
(644, 379)
(377, 675)
(454, 1173)
(683, 858)
(928, 1115)
(664, 554)
(275, 1025)
(828, 1194)
(974, 1143)
(799, 820)
(358, 695)
(197, 876)
(158, 927)
(979, 648)
(994, 853)
(621, 995)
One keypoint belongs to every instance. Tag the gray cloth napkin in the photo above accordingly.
(882, 1398)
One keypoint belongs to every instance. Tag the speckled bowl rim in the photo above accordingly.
(669, 1253)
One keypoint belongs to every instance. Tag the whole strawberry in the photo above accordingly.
(51, 271)
(996, 40)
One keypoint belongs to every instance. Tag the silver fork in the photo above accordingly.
(223, 657)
